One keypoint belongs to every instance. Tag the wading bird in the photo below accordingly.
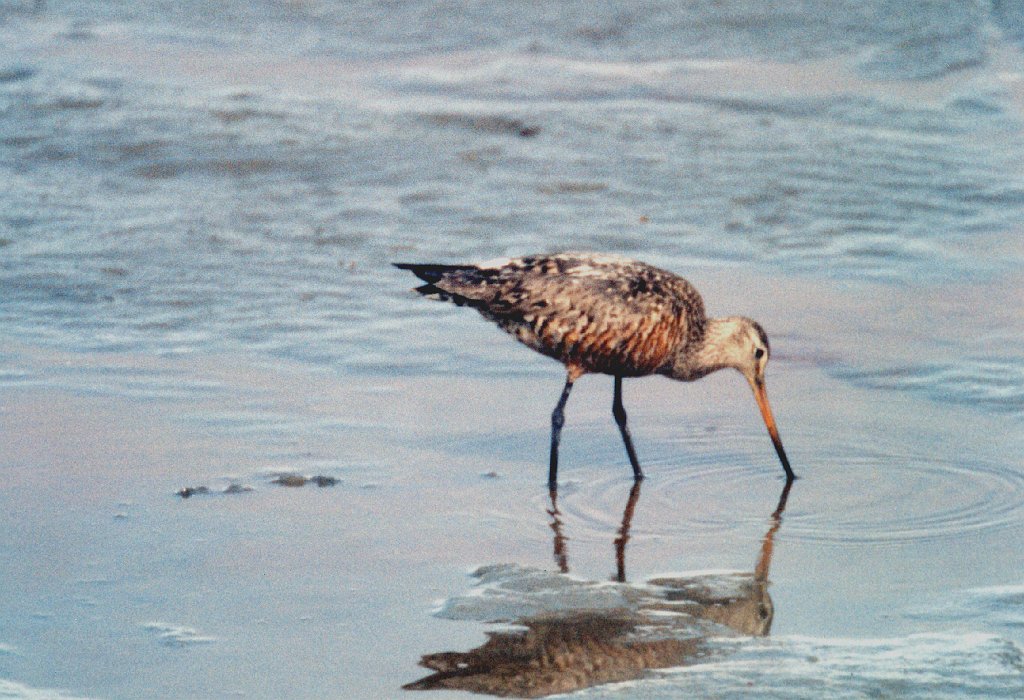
(607, 314)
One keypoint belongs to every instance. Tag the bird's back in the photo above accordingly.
(594, 312)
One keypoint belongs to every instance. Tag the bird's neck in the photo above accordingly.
(709, 354)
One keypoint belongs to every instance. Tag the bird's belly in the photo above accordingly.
(631, 352)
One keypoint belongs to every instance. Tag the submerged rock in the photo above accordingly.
(296, 480)
(230, 489)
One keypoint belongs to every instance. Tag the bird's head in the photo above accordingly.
(742, 344)
(736, 342)
(751, 357)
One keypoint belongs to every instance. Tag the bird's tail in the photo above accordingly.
(432, 274)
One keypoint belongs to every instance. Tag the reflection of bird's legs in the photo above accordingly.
(765, 560)
(557, 421)
(619, 411)
(623, 538)
(560, 554)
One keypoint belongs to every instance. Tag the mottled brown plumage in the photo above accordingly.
(610, 315)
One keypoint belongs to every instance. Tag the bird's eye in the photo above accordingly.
(759, 353)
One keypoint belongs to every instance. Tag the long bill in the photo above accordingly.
(761, 396)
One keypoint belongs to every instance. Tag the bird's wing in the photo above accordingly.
(601, 313)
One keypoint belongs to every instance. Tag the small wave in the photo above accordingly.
(13, 74)
(491, 124)
(994, 607)
(996, 384)
(926, 57)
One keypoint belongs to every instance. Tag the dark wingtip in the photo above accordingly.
(429, 272)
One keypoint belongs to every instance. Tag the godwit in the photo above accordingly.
(607, 314)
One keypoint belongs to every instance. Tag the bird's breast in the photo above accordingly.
(622, 344)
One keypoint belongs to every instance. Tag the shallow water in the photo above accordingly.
(198, 212)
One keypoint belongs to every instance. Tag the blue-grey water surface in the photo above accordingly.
(198, 209)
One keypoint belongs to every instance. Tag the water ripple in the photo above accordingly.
(889, 496)
(950, 500)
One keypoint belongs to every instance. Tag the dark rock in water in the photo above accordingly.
(296, 480)
(490, 124)
(291, 480)
(190, 491)
(238, 488)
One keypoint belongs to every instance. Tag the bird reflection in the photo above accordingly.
(623, 534)
(561, 557)
(664, 622)
(746, 608)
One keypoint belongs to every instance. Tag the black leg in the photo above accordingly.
(620, 418)
(557, 421)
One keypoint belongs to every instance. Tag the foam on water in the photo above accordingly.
(10, 690)
(507, 593)
(971, 665)
(174, 635)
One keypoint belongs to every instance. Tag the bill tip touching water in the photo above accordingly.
(610, 315)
